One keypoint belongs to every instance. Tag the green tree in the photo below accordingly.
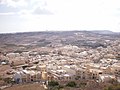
(53, 83)
(71, 84)
(110, 88)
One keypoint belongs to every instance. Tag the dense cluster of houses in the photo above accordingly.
(65, 63)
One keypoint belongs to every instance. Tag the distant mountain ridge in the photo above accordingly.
(94, 31)
(103, 31)
(50, 37)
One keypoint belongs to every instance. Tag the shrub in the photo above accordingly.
(71, 84)
(53, 83)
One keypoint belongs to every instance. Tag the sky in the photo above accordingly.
(47, 15)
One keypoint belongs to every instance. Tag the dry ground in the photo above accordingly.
(4, 68)
(35, 86)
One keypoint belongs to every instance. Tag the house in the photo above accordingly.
(4, 62)
(106, 78)
(115, 69)
(61, 75)
(95, 73)
(27, 76)
(18, 77)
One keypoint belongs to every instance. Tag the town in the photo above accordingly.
(85, 60)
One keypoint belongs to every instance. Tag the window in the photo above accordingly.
(32, 80)
(100, 73)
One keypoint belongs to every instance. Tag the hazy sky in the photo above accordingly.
(39, 15)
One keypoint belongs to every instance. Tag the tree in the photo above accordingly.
(57, 88)
(113, 87)
(53, 83)
(71, 84)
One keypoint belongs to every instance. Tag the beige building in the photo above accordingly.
(27, 76)
(41, 68)
(82, 74)
(61, 75)
(106, 78)
(94, 73)
(44, 76)
(31, 74)
(115, 69)
(86, 74)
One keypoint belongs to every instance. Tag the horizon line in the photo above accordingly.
(55, 31)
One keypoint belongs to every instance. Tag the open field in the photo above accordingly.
(26, 87)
